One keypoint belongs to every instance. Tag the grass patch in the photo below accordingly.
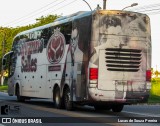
(154, 99)
(4, 88)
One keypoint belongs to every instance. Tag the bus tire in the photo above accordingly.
(117, 108)
(19, 97)
(57, 98)
(68, 104)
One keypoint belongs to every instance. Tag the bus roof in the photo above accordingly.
(60, 20)
(74, 16)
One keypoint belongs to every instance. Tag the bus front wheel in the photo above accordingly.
(57, 98)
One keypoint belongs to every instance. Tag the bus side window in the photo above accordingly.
(68, 37)
(67, 30)
(12, 63)
(13, 57)
(45, 36)
(38, 34)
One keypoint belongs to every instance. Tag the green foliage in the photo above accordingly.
(155, 91)
(155, 88)
(42, 20)
(4, 88)
(7, 34)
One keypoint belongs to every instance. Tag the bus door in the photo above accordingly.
(8, 63)
(10, 76)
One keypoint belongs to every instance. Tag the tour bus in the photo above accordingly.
(100, 58)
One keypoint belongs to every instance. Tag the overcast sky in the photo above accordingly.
(15, 13)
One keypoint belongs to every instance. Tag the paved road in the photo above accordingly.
(44, 108)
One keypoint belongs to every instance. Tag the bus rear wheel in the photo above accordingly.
(117, 108)
(57, 99)
(67, 100)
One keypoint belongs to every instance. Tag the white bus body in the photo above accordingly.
(100, 58)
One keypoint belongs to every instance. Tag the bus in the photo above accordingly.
(100, 58)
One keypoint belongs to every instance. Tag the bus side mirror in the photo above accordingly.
(4, 59)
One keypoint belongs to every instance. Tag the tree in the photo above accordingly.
(45, 20)
(7, 34)
(10, 32)
(156, 73)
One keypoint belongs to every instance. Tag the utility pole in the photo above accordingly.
(104, 4)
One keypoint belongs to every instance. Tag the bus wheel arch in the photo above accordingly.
(68, 104)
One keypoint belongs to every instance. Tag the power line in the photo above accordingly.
(63, 6)
(153, 13)
(32, 14)
(149, 9)
(146, 7)
(55, 9)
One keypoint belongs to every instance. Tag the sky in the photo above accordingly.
(14, 13)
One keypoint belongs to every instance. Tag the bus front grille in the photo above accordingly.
(127, 60)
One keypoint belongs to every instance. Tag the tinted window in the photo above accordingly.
(65, 29)
(45, 34)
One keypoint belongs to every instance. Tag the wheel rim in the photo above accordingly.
(57, 100)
